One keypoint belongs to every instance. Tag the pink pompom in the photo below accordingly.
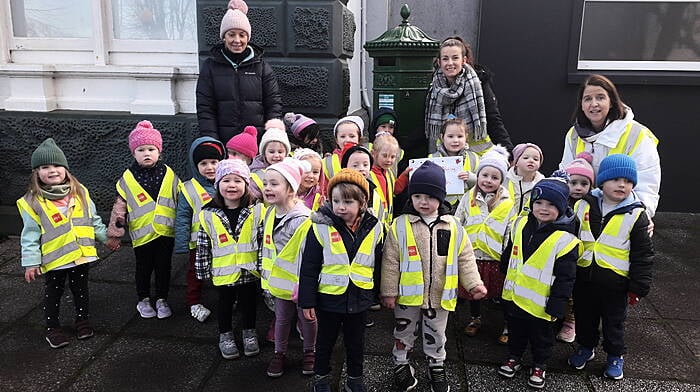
(144, 124)
(585, 155)
(251, 130)
(238, 5)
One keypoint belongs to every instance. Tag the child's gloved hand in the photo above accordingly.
(633, 299)
(389, 302)
(478, 292)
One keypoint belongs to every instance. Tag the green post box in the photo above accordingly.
(403, 69)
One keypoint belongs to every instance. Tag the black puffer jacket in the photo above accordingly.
(494, 123)
(230, 97)
(355, 299)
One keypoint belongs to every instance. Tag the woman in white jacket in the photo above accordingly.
(605, 125)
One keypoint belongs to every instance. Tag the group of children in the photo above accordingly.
(318, 234)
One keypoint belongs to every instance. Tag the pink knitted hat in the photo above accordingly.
(582, 166)
(292, 170)
(245, 142)
(520, 149)
(231, 166)
(144, 133)
(235, 18)
(298, 122)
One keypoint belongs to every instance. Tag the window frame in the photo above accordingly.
(626, 72)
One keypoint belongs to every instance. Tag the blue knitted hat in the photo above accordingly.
(617, 166)
(428, 179)
(554, 189)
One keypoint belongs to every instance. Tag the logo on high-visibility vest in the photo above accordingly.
(205, 196)
(223, 238)
(141, 196)
(585, 216)
(268, 239)
(335, 237)
(56, 217)
(412, 251)
(515, 250)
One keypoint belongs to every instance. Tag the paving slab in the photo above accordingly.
(687, 331)
(19, 297)
(118, 266)
(485, 378)
(143, 364)
(10, 250)
(27, 363)
(627, 384)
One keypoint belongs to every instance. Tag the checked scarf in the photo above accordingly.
(464, 99)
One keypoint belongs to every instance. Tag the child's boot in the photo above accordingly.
(227, 346)
(509, 368)
(250, 343)
(438, 379)
(614, 367)
(56, 338)
(580, 358)
(567, 333)
(84, 329)
(322, 383)
(404, 377)
(276, 367)
(473, 327)
(355, 384)
(536, 379)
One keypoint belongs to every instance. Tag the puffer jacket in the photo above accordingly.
(432, 244)
(184, 212)
(355, 299)
(522, 189)
(494, 122)
(230, 97)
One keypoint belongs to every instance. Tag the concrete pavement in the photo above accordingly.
(180, 354)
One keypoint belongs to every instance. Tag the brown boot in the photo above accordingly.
(307, 364)
(473, 327)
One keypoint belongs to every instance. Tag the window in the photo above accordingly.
(639, 35)
(51, 19)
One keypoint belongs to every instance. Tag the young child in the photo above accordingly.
(244, 146)
(453, 143)
(385, 150)
(358, 157)
(227, 252)
(204, 155)
(309, 188)
(274, 147)
(346, 130)
(148, 192)
(55, 206)
(428, 240)
(286, 225)
(523, 174)
(303, 131)
(540, 266)
(384, 121)
(336, 278)
(581, 178)
(485, 212)
(616, 267)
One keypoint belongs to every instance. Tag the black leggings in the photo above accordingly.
(55, 282)
(247, 295)
(154, 256)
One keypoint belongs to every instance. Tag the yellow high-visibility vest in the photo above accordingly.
(197, 197)
(280, 271)
(471, 163)
(611, 249)
(337, 270)
(528, 283)
(630, 139)
(386, 200)
(148, 218)
(257, 177)
(331, 165)
(480, 147)
(411, 281)
(488, 234)
(64, 239)
(229, 256)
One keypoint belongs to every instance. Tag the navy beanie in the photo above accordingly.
(428, 179)
(554, 189)
(616, 166)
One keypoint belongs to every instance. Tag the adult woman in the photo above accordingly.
(604, 125)
(236, 87)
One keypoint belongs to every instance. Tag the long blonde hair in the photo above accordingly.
(76, 188)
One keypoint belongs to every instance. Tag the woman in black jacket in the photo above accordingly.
(236, 87)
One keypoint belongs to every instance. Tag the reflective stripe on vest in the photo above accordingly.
(197, 197)
(337, 270)
(411, 281)
(317, 202)
(612, 248)
(331, 165)
(63, 240)
(480, 147)
(487, 235)
(528, 283)
(280, 271)
(149, 219)
(228, 255)
(257, 177)
(630, 139)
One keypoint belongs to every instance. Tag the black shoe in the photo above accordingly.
(438, 379)
(369, 323)
(404, 377)
(56, 338)
(322, 383)
(355, 384)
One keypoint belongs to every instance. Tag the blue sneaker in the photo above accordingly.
(614, 367)
(579, 359)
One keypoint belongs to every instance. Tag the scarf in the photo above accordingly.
(464, 99)
(150, 178)
(55, 192)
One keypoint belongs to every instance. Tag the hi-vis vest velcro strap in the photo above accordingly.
(487, 235)
(148, 218)
(630, 139)
(612, 248)
(528, 283)
(283, 272)
(411, 281)
(337, 270)
(228, 255)
(64, 239)
(331, 165)
(197, 197)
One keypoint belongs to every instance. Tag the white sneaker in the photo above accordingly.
(145, 308)
(199, 312)
(163, 309)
